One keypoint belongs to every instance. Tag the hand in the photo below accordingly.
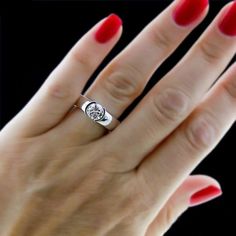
(63, 174)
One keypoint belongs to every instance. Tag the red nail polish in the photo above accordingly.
(205, 195)
(108, 29)
(228, 23)
(187, 11)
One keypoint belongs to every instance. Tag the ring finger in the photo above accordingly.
(126, 76)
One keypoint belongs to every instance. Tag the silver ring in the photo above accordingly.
(97, 113)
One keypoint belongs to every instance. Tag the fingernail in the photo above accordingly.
(188, 11)
(205, 195)
(108, 29)
(228, 23)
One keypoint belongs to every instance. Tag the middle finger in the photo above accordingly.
(175, 97)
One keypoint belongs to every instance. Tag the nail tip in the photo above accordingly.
(187, 12)
(227, 25)
(108, 29)
(116, 18)
(205, 195)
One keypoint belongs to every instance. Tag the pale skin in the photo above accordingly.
(63, 174)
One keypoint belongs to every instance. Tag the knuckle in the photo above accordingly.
(210, 51)
(85, 62)
(124, 85)
(200, 133)
(162, 39)
(56, 90)
(171, 105)
(230, 89)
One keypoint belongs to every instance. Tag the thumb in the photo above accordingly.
(194, 191)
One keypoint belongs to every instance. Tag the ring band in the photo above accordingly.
(97, 113)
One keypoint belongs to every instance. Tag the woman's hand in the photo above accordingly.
(63, 174)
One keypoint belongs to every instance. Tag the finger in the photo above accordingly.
(195, 190)
(126, 76)
(197, 136)
(64, 85)
(175, 97)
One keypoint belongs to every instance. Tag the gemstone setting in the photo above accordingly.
(95, 111)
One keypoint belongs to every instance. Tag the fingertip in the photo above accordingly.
(199, 189)
(110, 27)
(205, 195)
(201, 180)
(227, 21)
(188, 12)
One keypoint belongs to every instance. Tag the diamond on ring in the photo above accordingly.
(95, 111)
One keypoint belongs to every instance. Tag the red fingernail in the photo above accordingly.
(205, 195)
(228, 23)
(108, 29)
(187, 11)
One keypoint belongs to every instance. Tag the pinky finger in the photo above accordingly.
(189, 144)
(195, 190)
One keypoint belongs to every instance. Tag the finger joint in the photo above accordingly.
(162, 39)
(85, 62)
(124, 84)
(230, 89)
(210, 51)
(200, 133)
(171, 105)
(56, 90)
